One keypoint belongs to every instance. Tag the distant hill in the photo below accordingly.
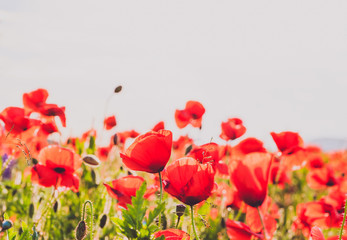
(329, 144)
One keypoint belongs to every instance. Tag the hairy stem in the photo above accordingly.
(262, 223)
(192, 216)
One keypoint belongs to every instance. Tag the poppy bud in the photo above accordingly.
(81, 230)
(188, 149)
(91, 160)
(31, 210)
(6, 225)
(163, 221)
(103, 221)
(180, 209)
(55, 207)
(118, 89)
(222, 223)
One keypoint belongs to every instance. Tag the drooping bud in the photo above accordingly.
(91, 160)
(118, 89)
(31, 210)
(55, 206)
(81, 230)
(7, 224)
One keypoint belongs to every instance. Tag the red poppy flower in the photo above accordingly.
(250, 177)
(159, 126)
(34, 100)
(317, 234)
(149, 152)
(103, 152)
(188, 180)
(205, 153)
(110, 122)
(279, 175)
(56, 167)
(172, 234)
(316, 213)
(230, 195)
(52, 110)
(16, 121)
(321, 178)
(124, 188)
(90, 133)
(269, 213)
(288, 142)
(181, 145)
(232, 129)
(246, 146)
(240, 231)
(192, 114)
(121, 137)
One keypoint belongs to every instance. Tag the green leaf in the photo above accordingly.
(79, 146)
(91, 147)
(153, 214)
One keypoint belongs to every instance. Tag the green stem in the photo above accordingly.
(178, 221)
(239, 213)
(161, 197)
(192, 216)
(343, 221)
(262, 223)
(91, 217)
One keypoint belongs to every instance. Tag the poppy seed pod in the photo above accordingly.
(180, 209)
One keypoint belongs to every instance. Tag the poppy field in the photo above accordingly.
(160, 185)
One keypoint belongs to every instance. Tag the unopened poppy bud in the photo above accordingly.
(163, 221)
(103, 221)
(55, 206)
(118, 89)
(188, 149)
(31, 210)
(91, 160)
(180, 209)
(6, 225)
(81, 230)
(222, 223)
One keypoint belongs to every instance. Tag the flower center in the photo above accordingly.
(59, 170)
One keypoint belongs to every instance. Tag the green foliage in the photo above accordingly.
(134, 224)
(91, 147)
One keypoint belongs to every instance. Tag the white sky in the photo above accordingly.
(278, 65)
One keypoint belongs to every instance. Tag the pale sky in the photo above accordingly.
(278, 65)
